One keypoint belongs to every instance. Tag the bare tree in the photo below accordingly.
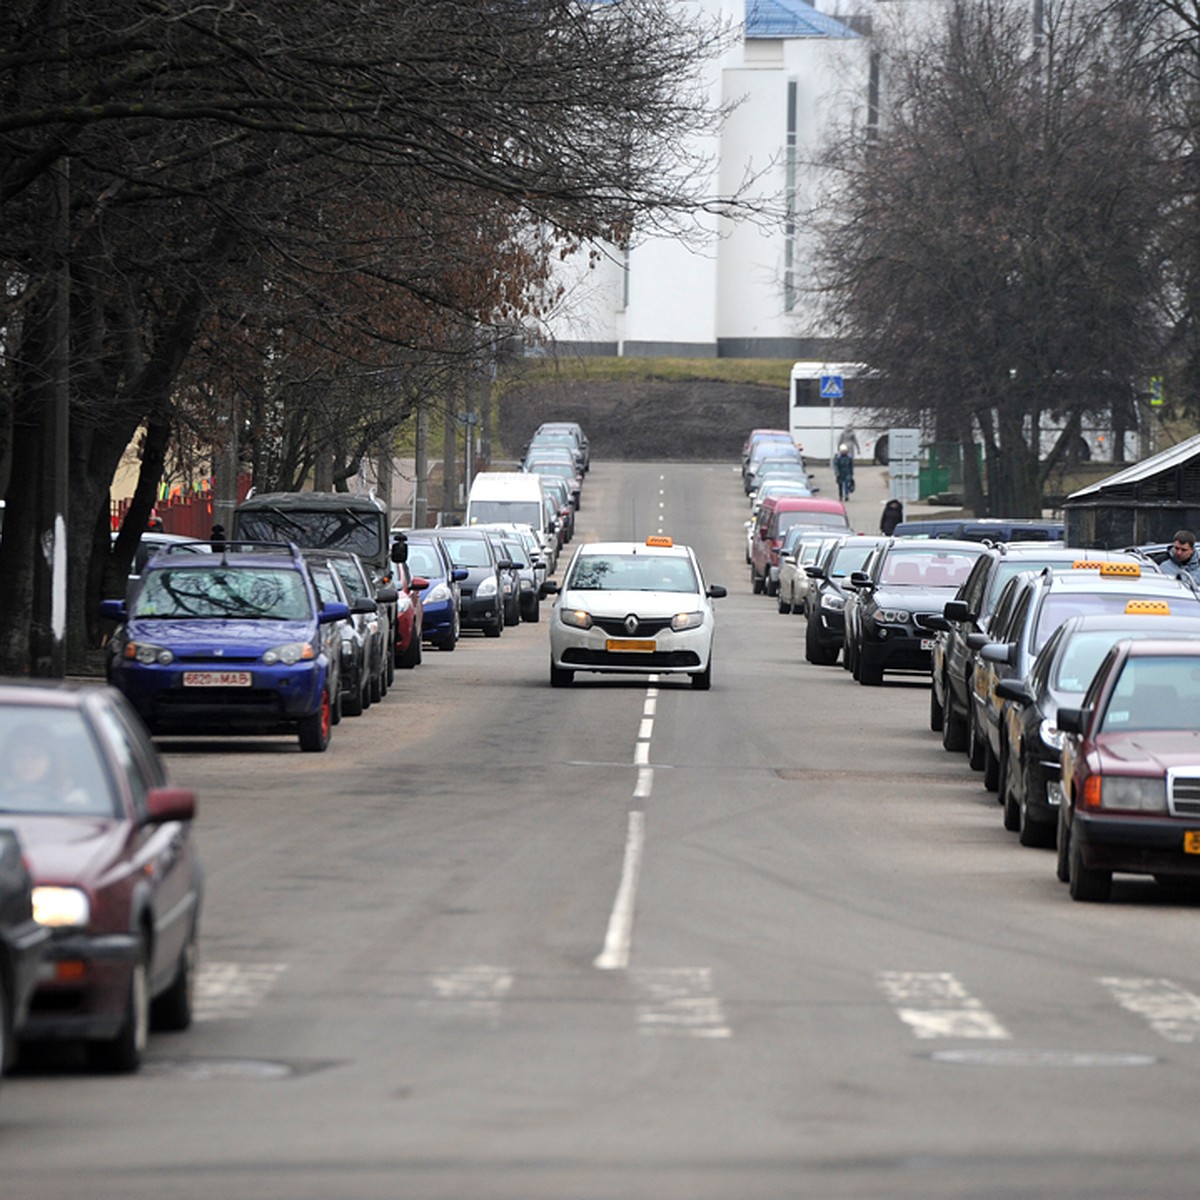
(991, 255)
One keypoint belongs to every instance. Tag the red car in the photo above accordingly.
(776, 516)
(409, 616)
(1131, 769)
(116, 878)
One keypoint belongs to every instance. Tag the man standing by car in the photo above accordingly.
(1182, 558)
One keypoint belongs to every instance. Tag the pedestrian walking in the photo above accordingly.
(843, 471)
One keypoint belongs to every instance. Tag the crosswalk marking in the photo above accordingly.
(474, 991)
(1170, 1010)
(934, 1004)
(232, 990)
(679, 1003)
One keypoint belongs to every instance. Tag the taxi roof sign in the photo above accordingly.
(1125, 570)
(1155, 608)
(657, 539)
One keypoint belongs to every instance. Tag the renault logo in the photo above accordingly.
(631, 624)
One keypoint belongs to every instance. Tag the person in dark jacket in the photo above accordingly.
(893, 514)
(1182, 558)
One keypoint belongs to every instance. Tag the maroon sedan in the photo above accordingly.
(1131, 770)
(409, 616)
(116, 878)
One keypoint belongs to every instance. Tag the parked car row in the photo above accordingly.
(1069, 678)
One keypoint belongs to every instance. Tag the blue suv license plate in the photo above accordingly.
(217, 679)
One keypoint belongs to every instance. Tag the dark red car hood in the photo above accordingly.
(1150, 753)
(69, 849)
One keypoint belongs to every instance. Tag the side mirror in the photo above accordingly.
(399, 551)
(860, 579)
(170, 804)
(716, 591)
(1073, 720)
(419, 583)
(938, 623)
(1015, 690)
(1004, 653)
(958, 610)
(977, 641)
(113, 610)
(459, 574)
(387, 595)
(549, 588)
(335, 610)
(815, 572)
(364, 605)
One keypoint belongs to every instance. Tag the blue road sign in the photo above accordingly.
(831, 387)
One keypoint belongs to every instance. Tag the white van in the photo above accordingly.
(507, 498)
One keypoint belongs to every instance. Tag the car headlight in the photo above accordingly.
(289, 653)
(1050, 734)
(147, 652)
(439, 594)
(60, 907)
(832, 601)
(687, 620)
(487, 587)
(892, 616)
(1126, 793)
(576, 617)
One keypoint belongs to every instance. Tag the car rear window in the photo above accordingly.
(224, 591)
(423, 559)
(52, 764)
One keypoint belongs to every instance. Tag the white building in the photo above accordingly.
(792, 74)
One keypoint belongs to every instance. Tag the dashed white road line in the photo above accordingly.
(1170, 1010)
(934, 1004)
(679, 1003)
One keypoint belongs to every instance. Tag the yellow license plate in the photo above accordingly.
(638, 645)
(1191, 842)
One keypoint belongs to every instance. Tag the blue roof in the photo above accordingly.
(791, 19)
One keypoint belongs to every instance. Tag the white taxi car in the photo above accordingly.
(633, 608)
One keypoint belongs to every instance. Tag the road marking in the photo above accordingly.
(645, 729)
(645, 781)
(641, 754)
(1171, 1011)
(679, 1003)
(619, 938)
(935, 1005)
(474, 992)
(651, 704)
(226, 990)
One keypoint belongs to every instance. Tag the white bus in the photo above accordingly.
(819, 419)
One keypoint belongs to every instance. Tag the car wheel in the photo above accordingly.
(1008, 796)
(531, 611)
(377, 688)
(1029, 831)
(936, 715)
(991, 767)
(172, 1011)
(702, 680)
(813, 650)
(784, 606)
(365, 694)
(1086, 883)
(495, 629)
(756, 584)
(1062, 866)
(448, 642)
(8, 1046)
(869, 674)
(389, 660)
(560, 677)
(352, 702)
(410, 656)
(974, 743)
(314, 729)
(123, 1054)
(954, 727)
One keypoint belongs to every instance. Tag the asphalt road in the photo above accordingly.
(621, 941)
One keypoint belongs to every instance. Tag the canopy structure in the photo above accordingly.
(1146, 502)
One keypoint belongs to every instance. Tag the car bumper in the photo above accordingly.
(481, 610)
(1135, 845)
(437, 620)
(276, 696)
(897, 650)
(83, 987)
(667, 653)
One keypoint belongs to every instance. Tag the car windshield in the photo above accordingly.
(423, 559)
(926, 568)
(1057, 608)
(326, 588)
(1155, 692)
(1083, 654)
(512, 512)
(351, 577)
(224, 591)
(633, 573)
(52, 764)
(466, 552)
(847, 559)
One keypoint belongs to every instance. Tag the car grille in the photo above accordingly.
(219, 660)
(1183, 791)
(647, 627)
(921, 620)
(638, 660)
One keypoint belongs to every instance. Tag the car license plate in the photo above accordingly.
(216, 679)
(1191, 842)
(634, 644)
(928, 643)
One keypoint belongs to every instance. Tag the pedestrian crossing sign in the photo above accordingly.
(831, 387)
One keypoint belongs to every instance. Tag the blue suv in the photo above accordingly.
(235, 641)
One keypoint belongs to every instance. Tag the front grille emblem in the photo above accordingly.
(631, 624)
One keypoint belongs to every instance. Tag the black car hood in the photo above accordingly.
(916, 599)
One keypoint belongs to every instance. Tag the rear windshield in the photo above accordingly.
(827, 520)
(927, 568)
(52, 764)
(506, 512)
(270, 593)
(362, 533)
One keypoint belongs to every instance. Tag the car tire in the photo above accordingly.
(377, 688)
(1086, 883)
(784, 606)
(756, 584)
(1008, 798)
(1030, 832)
(936, 715)
(702, 680)
(495, 629)
(991, 767)
(313, 730)
(352, 703)
(411, 656)
(954, 727)
(532, 611)
(8, 1045)
(813, 650)
(1062, 867)
(172, 1011)
(975, 743)
(560, 676)
(869, 674)
(122, 1054)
